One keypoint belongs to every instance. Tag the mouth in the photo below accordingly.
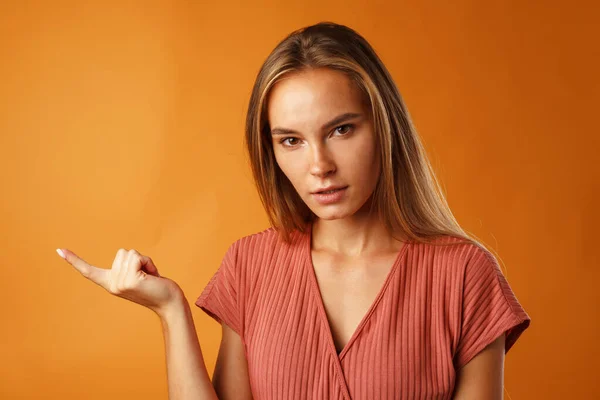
(330, 196)
(330, 190)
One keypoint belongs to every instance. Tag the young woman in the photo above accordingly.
(364, 286)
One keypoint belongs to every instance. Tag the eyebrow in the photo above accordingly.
(337, 120)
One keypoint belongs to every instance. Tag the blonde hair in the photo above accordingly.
(408, 196)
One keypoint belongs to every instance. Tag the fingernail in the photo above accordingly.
(60, 253)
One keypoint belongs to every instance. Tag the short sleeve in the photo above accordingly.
(220, 299)
(489, 308)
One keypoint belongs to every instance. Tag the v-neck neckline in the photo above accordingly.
(321, 305)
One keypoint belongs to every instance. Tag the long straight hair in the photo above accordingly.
(408, 196)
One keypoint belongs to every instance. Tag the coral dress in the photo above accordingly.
(439, 307)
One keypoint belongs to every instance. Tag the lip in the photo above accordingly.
(328, 188)
(331, 198)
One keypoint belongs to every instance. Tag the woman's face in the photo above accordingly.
(322, 135)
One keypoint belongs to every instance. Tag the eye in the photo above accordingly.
(348, 126)
(288, 140)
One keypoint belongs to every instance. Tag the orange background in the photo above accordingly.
(121, 125)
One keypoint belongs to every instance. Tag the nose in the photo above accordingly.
(321, 162)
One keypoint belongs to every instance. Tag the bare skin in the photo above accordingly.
(348, 287)
(352, 252)
(134, 277)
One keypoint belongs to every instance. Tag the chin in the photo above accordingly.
(333, 213)
(329, 217)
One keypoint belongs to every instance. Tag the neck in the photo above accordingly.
(353, 237)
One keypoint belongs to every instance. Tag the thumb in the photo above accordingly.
(99, 276)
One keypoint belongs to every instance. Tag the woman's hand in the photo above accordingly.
(133, 277)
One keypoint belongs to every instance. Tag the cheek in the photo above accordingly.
(291, 168)
(363, 155)
(365, 164)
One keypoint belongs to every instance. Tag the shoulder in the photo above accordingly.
(266, 235)
(267, 241)
(448, 246)
(255, 256)
(455, 254)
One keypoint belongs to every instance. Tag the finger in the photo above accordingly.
(119, 267)
(148, 265)
(95, 274)
(134, 273)
(130, 267)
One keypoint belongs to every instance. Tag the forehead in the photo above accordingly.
(312, 97)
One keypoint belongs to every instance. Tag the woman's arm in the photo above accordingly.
(230, 378)
(186, 372)
(483, 376)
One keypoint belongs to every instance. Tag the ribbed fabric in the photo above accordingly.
(439, 307)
